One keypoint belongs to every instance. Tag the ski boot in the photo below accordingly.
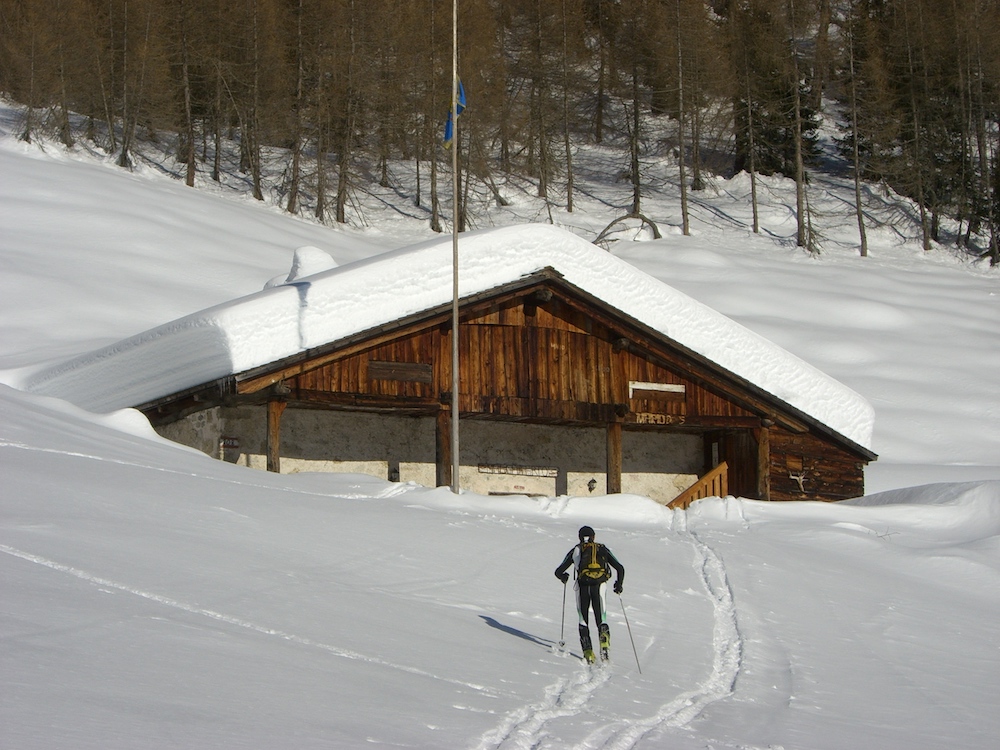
(586, 645)
(605, 632)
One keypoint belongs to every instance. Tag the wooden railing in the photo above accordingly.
(713, 484)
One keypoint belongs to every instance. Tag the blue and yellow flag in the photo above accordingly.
(449, 127)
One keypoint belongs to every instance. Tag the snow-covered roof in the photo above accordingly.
(309, 312)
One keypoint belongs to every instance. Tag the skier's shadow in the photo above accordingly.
(543, 642)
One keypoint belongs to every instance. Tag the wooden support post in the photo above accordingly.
(442, 448)
(614, 482)
(274, 411)
(764, 464)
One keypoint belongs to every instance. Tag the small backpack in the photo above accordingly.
(592, 570)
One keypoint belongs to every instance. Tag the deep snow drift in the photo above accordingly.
(153, 597)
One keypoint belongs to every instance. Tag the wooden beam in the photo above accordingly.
(542, 409)
(402, 404)
(614, 457)
(442, 448)
(763, 463)
(274, 411)
(713, 422)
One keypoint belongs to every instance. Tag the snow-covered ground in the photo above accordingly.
(153, 597)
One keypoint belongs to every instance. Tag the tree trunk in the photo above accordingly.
(751, 148)
(538, 108)
(253, 121)
(297, 137)
(123, 157)
(27, 133)
(321, 158)
(567, 147)
(346, 138)
(65, 131)
(821, 56)
(343, 170)
(855, 149)
(697, 182)
(431, 130)
(681, 145)
(801, 238)
(599, 103)
(188, 151)
(634, 142)
(132, 95)
(917, 150)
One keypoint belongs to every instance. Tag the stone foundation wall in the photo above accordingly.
(497, 457)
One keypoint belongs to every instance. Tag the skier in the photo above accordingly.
(592, 563)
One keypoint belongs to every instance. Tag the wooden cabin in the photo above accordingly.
(560, 393)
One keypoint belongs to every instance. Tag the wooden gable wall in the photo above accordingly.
(522, 359)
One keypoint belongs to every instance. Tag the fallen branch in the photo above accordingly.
(644, 219)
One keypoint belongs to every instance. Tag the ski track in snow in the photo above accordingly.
(525, 727)
(727, 659)
(238, 622)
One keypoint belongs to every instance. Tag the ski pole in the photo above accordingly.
(562, 627)
(636, 653)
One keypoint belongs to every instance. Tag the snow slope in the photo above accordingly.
(155, 598)
(70, 225)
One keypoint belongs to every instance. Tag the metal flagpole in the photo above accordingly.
(455, 463)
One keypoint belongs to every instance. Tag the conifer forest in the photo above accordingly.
(337, 91)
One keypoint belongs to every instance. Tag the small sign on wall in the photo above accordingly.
(525, 471)
(229, 442)
(660, 419)
(513, 479)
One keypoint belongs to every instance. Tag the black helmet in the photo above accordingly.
(586, 533)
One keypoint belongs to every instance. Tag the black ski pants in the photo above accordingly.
(590, 597)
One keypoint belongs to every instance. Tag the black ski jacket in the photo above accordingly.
(604, 556)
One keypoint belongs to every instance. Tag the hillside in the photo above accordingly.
(156, 598)
(900, 327)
